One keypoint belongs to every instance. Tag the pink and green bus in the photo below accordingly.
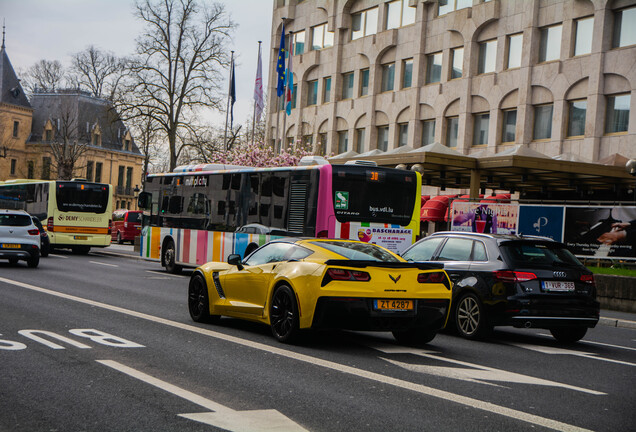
(202, 213)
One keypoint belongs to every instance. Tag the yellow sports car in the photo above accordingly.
(295, 284)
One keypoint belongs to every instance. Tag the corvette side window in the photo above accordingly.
(273, 252)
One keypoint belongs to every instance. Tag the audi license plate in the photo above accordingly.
(10, 246)
(393, 305)
(552, 286)
(80, 237)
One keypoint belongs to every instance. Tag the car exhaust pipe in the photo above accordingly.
(527, 324)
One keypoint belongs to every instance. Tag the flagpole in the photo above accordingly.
(227, 112)
(284, 141)
(254, 115)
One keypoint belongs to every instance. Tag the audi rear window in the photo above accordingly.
(15, 220)
(358, 251)
(538, 254)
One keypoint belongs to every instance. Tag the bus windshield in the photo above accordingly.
(81, 197)
(369, 195)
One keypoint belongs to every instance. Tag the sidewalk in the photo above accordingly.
(608, 317)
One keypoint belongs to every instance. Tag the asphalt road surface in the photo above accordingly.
(105, 343)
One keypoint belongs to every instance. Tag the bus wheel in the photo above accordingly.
(81, 250)
(169, 258)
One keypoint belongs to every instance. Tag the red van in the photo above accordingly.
(126, 225)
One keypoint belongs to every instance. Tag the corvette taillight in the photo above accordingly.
(434, 277)
(514, 276)
(350, 275)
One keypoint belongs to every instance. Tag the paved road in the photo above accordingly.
(103, 342)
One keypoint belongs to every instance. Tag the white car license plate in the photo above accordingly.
(558, 286)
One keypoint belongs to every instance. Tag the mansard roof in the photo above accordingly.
(11, 91)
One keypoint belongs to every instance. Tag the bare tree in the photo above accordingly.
(69, 142)
(148, 138)
(100, 72)
(46, 75)
(178, 64)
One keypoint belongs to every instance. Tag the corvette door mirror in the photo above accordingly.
(235, 259)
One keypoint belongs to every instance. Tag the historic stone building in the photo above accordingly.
(477, 76)
(33, 131)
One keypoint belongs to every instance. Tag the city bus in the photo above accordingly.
(75, 213)
(201, 213)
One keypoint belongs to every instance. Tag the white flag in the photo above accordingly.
(258, 88)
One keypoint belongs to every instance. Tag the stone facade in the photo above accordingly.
(575, 71)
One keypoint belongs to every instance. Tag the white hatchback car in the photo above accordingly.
(19, 237)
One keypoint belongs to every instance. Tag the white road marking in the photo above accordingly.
(597, 343)
(104, 264)
(222, 417)
(58, 256)
(562, 351)
(471, 372)
(418, 388)
(166, 274)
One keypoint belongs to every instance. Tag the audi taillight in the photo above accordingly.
(49, 224)
(434, 277)
(587, 278)
(34, 232)
(514, 276)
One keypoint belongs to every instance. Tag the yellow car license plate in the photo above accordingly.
(80, 237)
(10, 246)
(396, 305)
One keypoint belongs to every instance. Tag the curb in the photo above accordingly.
(613, 322)
(121, 254)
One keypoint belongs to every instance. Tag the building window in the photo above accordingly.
(343, 141)
(13, 164)
(293, 101)
(129, 172)
(321, 37)
(403, 134)
(127, 145)
(452, 131)
(399, 14)
(617, 118)
(46, 168)
(457, 63)
(584, 29)
(312, 92)
(515, 42)
(322, 143)
(298, 41)
(30, 170)
(428, 132)
(48, 135)
(487, 57)
(407, 73)
(347, 85)
(509, 126)
(360, 134)
(120, 177)
(364, 23)
(326, 91)
(542, 122)
(308, 142)
(388, 77)
(480, 129)
(89, 171)
(383, 138)
(98, 172)
(576, 117)
(364, 82)
(624, 28)
(550, 43)
(433, 68)
(16, 128)
(447, 6)
(95, 139)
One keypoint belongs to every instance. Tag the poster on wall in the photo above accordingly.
(601, 232)
(484, 217)
(541, 220)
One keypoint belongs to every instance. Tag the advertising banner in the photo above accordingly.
(484, 217)
(394, 238)
(600, 232)
(541, 220)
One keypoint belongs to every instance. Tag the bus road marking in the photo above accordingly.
(58, 256)
(104, 264)
(597, 343)
(563, 351)
(327, 364)
(164, 273)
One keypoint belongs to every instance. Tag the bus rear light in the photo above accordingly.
(49, 224)
(323, 234)
(34, 232)
(110, 227)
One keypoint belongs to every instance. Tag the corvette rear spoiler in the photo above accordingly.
(384, 264)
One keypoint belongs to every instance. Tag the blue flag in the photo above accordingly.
(289, 74)
(280, 65)
(232, 93)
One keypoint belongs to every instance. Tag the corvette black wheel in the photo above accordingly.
(198, 300)
(283, 314)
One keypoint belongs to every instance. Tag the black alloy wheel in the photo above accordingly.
(198, 300)
(169, 257)
(283, 314)
(470, 320)
(44, 251)
(568, 335)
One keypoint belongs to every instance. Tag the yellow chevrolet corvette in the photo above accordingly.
(296, 284)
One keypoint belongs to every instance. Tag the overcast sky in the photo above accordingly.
(55, 29)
